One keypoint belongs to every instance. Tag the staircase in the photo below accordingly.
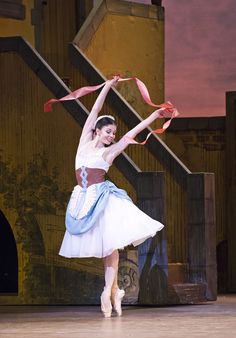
(163, 187)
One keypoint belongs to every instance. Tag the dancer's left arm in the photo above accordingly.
(115, 149)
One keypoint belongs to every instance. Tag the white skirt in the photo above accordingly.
(120, 224)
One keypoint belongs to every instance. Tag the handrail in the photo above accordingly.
(54, 83)
(130, 117)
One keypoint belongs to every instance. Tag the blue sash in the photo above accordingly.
(78, 226)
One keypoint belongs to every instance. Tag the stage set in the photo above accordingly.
(184, 178)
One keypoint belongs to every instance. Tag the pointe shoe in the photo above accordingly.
(117, 299)
(106, 304)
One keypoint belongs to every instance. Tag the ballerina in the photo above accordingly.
(101, 218)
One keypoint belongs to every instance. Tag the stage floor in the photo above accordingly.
(214, 319)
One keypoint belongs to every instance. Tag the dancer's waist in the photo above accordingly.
(88, 176)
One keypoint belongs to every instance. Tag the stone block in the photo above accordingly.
(187, 293)
(177, 273)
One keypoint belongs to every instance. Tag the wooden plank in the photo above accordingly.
(153, 258)
(231, 187)
(202, 232)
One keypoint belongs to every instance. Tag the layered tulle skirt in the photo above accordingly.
(119, 224)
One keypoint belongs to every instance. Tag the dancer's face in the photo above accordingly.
(106, 134)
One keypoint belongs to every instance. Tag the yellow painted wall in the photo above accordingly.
(134, 46)
(131, 46)
(204, 151)
(55, 52)
(26, 135)
(37, 153)
(24, 28)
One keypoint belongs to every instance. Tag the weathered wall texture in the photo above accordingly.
(116, 48)
(37, 152)
(42, 142)
(200, 143)
(37, 175)
(55, 51)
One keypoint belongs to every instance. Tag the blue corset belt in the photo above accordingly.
(77, 226)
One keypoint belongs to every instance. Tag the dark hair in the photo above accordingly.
(105, 121)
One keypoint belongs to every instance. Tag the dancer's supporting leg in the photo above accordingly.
(115, 286)
(110, 266)
(116, 293)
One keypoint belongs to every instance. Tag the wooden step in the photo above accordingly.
(177, 273)
(186, 293)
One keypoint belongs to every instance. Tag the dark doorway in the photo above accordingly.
(8, 258)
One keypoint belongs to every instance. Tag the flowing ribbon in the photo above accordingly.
(167, 107)
(72, 96)
(156, 131)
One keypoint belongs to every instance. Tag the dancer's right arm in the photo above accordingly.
(87, 132)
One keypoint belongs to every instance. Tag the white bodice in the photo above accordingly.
(91, 159)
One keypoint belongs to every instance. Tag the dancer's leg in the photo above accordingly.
(115, 285)
(110, 267)
(116, 293)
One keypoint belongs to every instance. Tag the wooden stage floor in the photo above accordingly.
(215, 319)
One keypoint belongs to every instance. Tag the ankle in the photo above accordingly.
(107, 290)
(114, 289)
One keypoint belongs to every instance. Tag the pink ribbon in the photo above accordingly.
(168, 107)
(72, 96)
